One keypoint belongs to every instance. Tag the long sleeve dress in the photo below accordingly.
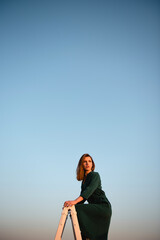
(94, 218)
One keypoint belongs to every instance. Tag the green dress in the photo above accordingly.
(94, 218)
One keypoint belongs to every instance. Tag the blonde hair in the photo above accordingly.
(80, 170)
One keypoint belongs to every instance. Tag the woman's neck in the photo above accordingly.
(86, 172)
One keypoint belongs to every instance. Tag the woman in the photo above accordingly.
(94, 218)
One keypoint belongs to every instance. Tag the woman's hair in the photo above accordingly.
(80, 169)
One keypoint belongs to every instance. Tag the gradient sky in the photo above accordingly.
(77, 77)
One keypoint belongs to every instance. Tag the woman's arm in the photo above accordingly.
(71, 203)
(92, 186)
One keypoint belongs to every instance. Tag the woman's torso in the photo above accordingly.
(93, 181)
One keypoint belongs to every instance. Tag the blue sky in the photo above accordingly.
(77, 77)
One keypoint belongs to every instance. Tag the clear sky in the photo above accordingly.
(79, 77)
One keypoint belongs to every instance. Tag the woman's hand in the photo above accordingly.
(69, 203)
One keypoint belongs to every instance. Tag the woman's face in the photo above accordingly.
(87, 164)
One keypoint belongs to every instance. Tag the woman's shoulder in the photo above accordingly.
(94, 174)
